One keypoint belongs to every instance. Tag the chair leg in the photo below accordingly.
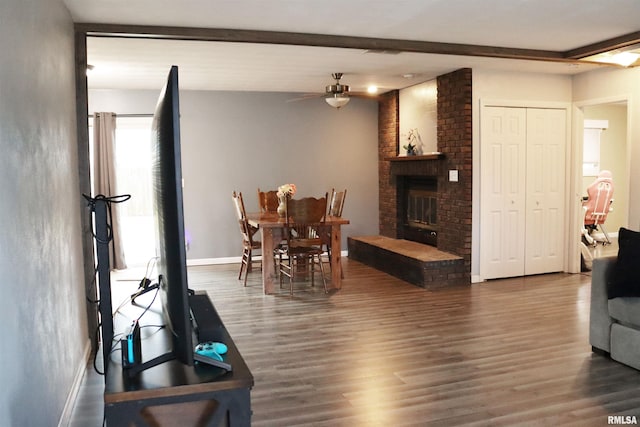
(248, 266)
(245, 265)
(313, 270)
(606, 235)
(283, 265)
(241, 268)
(291, 267)
(294, 267)
(324, 280)
(242, 264)
(246, 270)
(279, 269)
(276, 266)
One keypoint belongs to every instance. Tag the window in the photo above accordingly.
(133, 175)
(133, 172)
(591, 146)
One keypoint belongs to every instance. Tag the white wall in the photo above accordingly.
(610, 85)
(522, 88)
(42, 309)
(245, 140)
(419, 110)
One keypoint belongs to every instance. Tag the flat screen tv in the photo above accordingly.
(169, 219)
(166, 178)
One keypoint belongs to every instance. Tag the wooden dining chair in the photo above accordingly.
(336, 205)
(303, 249)
(268, 200)
(336, 202)
(247, 231)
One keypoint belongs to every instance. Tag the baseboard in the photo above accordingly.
(215, 261)
(475, 278)
(67, 411)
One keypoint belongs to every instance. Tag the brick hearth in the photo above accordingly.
(416, 263)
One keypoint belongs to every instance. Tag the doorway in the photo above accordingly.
(612, 155)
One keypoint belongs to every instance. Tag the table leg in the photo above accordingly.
(271, 238)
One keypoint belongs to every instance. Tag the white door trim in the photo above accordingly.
(577, 129)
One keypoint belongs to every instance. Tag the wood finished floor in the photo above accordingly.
(382, 352)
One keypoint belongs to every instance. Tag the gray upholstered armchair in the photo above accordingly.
(614, 324)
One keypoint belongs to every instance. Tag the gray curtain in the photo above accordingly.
(104, 137)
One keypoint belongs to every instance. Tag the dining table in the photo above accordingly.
(271, 227)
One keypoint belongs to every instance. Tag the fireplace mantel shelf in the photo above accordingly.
(430, 156)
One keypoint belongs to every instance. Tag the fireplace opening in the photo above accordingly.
(419, 210)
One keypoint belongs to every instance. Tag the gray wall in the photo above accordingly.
(245, 140)
(42, 309)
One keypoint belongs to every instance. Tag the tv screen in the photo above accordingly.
(169, 219)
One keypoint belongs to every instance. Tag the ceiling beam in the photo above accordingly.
(350, 42)
(318, 40)
(604, 46)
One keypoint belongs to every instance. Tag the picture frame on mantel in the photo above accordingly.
(418, 121)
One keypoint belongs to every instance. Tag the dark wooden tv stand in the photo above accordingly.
(176, 394)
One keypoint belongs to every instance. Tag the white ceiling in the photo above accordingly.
(528, 24)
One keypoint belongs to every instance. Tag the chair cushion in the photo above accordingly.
(625, 281)
(626, 311)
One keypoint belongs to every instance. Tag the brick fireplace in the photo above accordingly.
(453, 200)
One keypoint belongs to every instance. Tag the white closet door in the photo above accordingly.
(502, 182)
(545, 190)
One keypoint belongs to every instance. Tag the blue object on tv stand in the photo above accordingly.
(211, 353)
(214, 350)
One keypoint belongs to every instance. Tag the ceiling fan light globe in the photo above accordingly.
(337, 101)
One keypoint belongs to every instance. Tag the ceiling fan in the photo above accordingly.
(336, 95)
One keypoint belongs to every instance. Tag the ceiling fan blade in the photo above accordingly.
(306, 96)
(336, 90)
(365, 95)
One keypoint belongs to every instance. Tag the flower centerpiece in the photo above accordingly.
(413, 137)
(285, 191)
